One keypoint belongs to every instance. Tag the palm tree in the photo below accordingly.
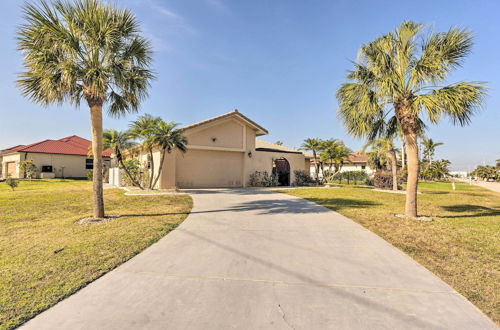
(335, 153)
(396, 80)
(119, 141)
(168, 138)
(385, 145)
(430, 148)
(313, 145)
(143, 128)
(85, 50)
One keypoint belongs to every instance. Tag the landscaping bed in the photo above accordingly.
(46, 256)
(461, 245)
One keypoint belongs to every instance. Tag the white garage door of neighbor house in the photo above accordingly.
(209, 169)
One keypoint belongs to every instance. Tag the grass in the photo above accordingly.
(45, 256)
(462, 245)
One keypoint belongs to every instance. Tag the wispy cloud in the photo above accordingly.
(219, 5)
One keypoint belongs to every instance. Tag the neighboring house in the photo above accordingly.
(222, 152)
(63, 158)
(356, 162)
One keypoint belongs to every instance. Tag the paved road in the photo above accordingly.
(251, 259)
(493, 186)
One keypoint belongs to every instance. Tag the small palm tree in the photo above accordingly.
(335, 153)
(85, 51)
(313, 145)
(385, 146)
(430, 148)
(119, 141)
(396, 81)
(167, 137)
(143, 128)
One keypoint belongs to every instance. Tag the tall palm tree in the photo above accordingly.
(430, 148)
(167, 137)
(313, 145)
(385, 145)
(143, 128)
(119, 141)
(85, 51)
(396, 81)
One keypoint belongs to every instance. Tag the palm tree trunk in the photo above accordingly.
(403, 151)
(96, 128)
(151, 176)
(413, 171)
(316, 165)
(394, 168)
(162, 159)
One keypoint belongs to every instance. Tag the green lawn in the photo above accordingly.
(45, 256)
(462, 245)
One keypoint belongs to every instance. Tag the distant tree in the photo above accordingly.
(438, 170)
(120, 141)
(429, 149)
(396, 81)
(167, 137)
(335, 153)
(29, 168)
(143, 128)
(85, 50)
(386, 146)
(313, 145)
(280, 143)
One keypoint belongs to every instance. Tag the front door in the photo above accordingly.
(281, 167)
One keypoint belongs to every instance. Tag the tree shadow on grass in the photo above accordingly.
(273, 206)
(337, 204)
(471, 209)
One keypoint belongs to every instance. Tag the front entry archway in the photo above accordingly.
(281, 167)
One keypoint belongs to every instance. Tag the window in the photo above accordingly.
(363, 167)
(46, 169)
(89, 164)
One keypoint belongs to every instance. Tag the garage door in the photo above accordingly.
(11, 169)
(209, 169)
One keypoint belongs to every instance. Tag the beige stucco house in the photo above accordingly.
(63, 158)
(222, 152)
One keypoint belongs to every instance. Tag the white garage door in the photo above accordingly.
(209, 169)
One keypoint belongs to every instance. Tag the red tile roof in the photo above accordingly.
(70, 145)
(355, 157)
(358, 158)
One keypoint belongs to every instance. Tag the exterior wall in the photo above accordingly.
(345, 168)
(263, 161)
(227, 133)
(74, 165)
(6, 159)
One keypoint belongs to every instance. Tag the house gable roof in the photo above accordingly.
(236, 114)
(71, 145)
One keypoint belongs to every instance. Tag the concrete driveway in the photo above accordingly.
(254, 259)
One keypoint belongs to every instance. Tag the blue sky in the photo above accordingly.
(279, 62)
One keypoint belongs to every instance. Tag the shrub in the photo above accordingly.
(382, 180)
(303, 178)
(29, 168)
(90, 175)
(133, 165)
(12, 183)
(353, 177)
(263, 179)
